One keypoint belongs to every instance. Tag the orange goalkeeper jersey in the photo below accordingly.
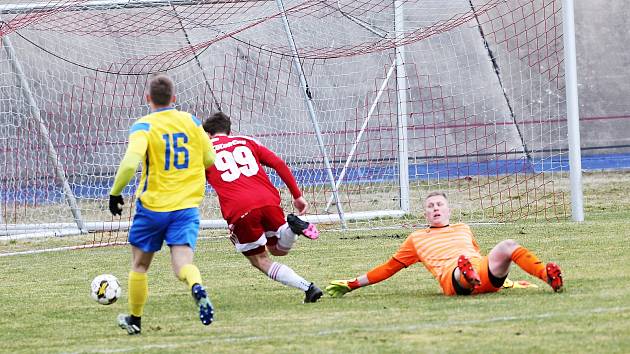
(438, 248)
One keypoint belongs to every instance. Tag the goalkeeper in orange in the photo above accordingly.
(452, 255)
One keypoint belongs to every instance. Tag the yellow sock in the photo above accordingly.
(529, 263)
(138, 292)
(190, 274)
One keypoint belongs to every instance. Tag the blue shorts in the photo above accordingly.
(150, 229)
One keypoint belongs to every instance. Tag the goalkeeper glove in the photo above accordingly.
(338, 288)
(115, 204)
(518, 284)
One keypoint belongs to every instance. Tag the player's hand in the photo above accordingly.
(115, 204)
(301, 205)
(338, 288)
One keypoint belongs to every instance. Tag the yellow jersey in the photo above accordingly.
(173, 144)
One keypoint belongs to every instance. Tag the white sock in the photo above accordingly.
(286, 238)
(285, 275)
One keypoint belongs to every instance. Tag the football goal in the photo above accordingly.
(372, 103)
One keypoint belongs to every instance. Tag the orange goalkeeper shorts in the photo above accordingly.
(481, 266)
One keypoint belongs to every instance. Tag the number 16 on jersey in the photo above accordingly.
(174, 147)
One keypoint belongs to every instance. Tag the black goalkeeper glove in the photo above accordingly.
(115, 204)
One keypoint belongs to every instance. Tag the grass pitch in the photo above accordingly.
(46, 307)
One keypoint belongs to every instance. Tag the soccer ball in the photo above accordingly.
(105, 289)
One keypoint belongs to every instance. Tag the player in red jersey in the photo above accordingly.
(251, 204)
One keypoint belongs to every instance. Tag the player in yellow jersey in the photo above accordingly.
(174, 151)
(451, 254)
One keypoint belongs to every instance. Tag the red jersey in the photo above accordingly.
(240, 181)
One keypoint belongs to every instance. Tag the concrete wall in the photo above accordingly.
(603, 57)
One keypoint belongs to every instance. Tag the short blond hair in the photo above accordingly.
(435, 194)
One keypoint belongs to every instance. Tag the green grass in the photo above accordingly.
(45, 306)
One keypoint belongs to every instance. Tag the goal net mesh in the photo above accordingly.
(465, 97)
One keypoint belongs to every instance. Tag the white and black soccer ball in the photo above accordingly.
(105, 289)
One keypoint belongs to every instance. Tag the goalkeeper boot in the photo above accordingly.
(467, 270)
(301, 227)
(312, 294)
(129, 323)
(554, 276)
(206, 311)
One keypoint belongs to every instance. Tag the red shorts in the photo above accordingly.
(257, 228)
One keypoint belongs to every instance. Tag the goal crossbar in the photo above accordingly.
(18, 9)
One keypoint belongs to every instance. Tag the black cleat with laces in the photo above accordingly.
(312, 294)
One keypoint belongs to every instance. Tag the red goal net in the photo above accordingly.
(372, 103)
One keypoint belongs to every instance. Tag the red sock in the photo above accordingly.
(529, 263)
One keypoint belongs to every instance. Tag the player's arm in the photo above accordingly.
(405, 257)
(138, 142)
(338, 288)
(206, 144)
(270, 159)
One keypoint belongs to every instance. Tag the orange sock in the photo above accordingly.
(529, 263)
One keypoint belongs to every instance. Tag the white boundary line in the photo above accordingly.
(427, 325)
